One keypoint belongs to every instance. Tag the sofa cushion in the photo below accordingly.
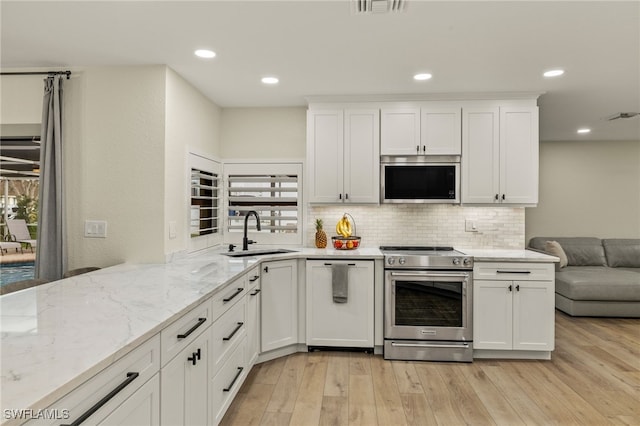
(598, 283)
(622, 252)
(581, 251)
(554, 248)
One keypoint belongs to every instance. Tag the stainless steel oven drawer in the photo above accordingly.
(415, 350)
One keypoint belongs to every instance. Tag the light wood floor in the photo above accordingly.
(592, 379)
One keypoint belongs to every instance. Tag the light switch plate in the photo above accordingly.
(470, 225)
(95, 229)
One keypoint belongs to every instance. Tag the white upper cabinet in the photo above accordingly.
(500, 155)
(399, 131)
(343, 156)
(426, 130)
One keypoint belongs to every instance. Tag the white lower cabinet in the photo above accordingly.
(225, 382)
(349, 324)
(513, 307)
(184, 385)
(125, 393)
(279, 304)
(140, 409)
(253, 318)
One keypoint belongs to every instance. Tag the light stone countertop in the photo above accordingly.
(55, 336)
(508, 255)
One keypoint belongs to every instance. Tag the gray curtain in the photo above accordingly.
(51, 256)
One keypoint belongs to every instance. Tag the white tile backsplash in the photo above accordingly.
(425, 224)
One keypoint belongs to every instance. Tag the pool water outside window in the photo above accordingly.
(12, 272)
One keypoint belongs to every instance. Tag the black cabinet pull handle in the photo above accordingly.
(513, 272)
(510, 287)
(195, 357)
(255, 277)
(346, 196)
(340, 196)
(230, 298)
(424, 148)
(255, 292)
(266, 269)
(418, 149)
(503, 197)
(331, 264)
(497, 197)
(192, 329)
(130, 378)
(228, 388)
(229, 337)
(518, 287)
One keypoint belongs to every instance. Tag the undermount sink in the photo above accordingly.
(257, 252)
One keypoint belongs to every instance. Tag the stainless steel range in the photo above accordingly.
(428, 304)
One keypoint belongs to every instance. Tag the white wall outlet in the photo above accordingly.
(172, 229)
(95, 229)
(470, 225)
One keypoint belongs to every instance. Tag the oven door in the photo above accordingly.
(428, 305)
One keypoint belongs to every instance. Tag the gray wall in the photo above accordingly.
(587, 188)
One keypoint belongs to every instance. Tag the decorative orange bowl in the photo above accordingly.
(345, 243)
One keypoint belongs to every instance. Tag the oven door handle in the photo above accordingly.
(427, 345)
(429, 275)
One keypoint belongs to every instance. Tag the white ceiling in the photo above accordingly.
(322, 48)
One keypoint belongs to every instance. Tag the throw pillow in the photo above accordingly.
(554, 248)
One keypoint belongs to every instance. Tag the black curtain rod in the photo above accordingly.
(67, 73)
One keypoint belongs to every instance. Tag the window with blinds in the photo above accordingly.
(204, 203)
(273, 191)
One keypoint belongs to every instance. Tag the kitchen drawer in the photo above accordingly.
(253, 277)
(127, 374)
(228, 296)
(521, 271)
(184, 330)
(226, 382)
(226, 332)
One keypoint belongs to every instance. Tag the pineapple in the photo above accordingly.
(321, 236)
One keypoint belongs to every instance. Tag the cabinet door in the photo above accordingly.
(279, 304)
(492, 314)
(325, 156)
(440, 131)
(361, 156)
(480, 155)
(400, 131)
(140, 409)
(184, 385)
(253, 324)
(347, 324)
(533, 315)
(519, 155)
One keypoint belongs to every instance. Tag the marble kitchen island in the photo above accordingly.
(56, 336)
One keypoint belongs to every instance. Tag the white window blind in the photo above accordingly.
(205, 206)
(273, 191)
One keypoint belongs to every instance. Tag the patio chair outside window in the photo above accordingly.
(20, 233)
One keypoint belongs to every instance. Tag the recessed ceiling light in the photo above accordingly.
(553, 73)
(204, 53)
(422, 76)
(270, 80)
(584, 130)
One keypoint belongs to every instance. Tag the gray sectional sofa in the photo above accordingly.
(601, 278)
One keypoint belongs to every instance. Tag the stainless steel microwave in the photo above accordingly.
(420, 179)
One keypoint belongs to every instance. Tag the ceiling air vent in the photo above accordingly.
(377, 6)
